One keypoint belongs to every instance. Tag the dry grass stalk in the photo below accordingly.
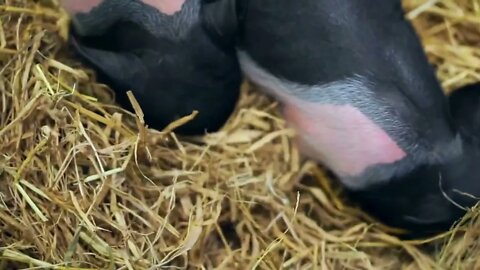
(83, 186)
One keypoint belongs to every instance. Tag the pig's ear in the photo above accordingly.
(221, 20)
(465, 109)
(123, 68)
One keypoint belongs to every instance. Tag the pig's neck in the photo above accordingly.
(345, 126)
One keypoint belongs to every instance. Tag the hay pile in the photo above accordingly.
(84, 185)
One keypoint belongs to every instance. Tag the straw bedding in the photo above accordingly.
(84, 185)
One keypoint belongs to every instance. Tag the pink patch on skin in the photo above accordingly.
(168, 7)
(341, 137)
(79, 6)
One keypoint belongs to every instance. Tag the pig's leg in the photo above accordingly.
(161, 58)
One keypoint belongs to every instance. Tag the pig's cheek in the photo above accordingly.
(79, 6)
(305, 144)
(168, 7)
(341, 137)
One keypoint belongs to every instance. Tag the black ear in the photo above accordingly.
(465, 108)
(122, 68)
(221, 20)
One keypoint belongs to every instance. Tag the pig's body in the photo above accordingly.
(160, 51)
(355, 83)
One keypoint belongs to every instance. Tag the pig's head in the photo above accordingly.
(356, 85)
(160, 51)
